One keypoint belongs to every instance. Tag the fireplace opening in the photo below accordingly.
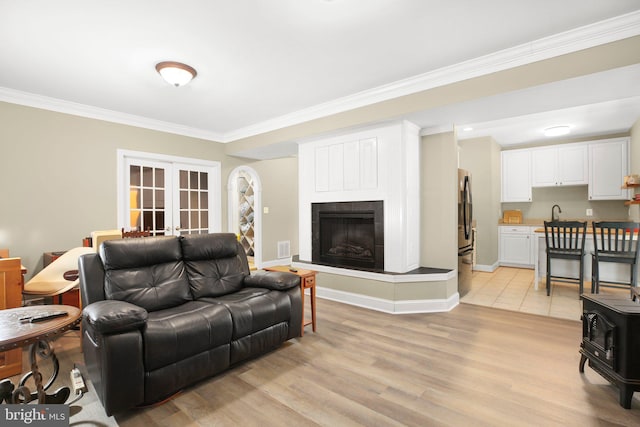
(348, 234)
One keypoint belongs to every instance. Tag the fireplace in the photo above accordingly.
(348, 234)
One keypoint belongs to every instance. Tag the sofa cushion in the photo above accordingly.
(148, 272)
(255, 309)
(177, 333)
(212, 264)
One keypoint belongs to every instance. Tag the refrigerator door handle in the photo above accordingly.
(466, 208)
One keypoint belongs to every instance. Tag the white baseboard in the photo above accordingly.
(388, 306)
(488, 268)
(275, 262)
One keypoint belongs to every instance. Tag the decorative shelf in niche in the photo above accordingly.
(246, 212)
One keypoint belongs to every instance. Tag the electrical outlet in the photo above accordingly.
(589, 212)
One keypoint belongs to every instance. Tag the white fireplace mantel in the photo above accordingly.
(379, 163)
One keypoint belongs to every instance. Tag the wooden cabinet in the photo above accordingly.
(516, 175)
(559, 165)
(515, 246)
(10, 297)
(608, 164)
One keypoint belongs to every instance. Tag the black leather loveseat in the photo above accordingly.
(161, 313)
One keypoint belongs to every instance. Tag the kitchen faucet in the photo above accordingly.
(554, 216)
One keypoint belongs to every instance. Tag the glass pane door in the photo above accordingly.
(168, 195)
(149, 206)
(193, 194)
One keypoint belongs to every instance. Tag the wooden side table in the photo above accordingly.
(307, 281)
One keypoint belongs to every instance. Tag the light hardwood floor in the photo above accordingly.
(474, 365)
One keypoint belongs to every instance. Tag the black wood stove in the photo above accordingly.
(611, 341)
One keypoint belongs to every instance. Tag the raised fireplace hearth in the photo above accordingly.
(348, 234)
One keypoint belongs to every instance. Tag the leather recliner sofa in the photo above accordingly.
(161, 313)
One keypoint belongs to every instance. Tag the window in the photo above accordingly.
(168, 195)
(245, 206)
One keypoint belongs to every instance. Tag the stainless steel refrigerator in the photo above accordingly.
(465, 232)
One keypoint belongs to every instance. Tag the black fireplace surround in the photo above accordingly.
(348, 234)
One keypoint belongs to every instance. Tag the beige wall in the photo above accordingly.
(399, 292)
(481, 157)
(574, 201)
(58, 175)
(439, 201)
(634, 210)
(635, 147)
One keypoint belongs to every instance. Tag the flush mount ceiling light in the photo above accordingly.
(176, 73)
(556, 131)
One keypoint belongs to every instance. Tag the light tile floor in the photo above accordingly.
(513, 289)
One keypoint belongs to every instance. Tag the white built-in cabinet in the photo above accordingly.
(600, 164)
(516, 175)
(516, 245)
(608, 164)
(559, 165)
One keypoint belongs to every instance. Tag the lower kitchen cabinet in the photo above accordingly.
(515, 245)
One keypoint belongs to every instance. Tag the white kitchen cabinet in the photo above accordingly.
(515, 246)
(559, 165)
(516, 175)
(608, 164)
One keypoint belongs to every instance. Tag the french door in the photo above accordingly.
(168, 195)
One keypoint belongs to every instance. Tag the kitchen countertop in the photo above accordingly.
(540, 222)
(541, 230)
(527, 222)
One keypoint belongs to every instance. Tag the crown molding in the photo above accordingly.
(53, 104)
(607, 31)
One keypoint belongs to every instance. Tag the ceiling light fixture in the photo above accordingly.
(176, 73)
(556, 131)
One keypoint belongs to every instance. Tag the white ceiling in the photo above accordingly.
(263, 64)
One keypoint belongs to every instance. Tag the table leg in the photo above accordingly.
(536, 268)
(302, 296)
(312, 291)
(23, 394)
(6, 391)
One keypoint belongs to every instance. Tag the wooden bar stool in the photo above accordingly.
(565, 240)
(615, 242)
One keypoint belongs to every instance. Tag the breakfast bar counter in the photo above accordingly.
(608, 271)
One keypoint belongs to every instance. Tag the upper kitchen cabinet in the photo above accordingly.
(516, 175)
(608, 164)
(559, 165)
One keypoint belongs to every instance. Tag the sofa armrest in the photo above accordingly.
(110, 316)
(91, 275)
(275, 280)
